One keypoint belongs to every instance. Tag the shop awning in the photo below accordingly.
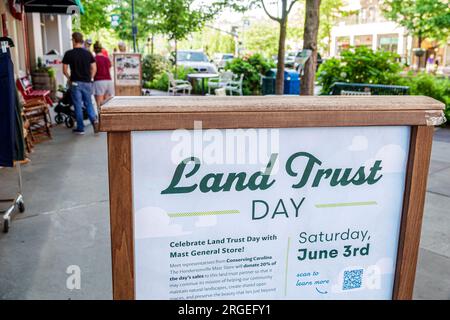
(54, 6)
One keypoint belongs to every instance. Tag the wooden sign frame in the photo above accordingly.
(122, 115)
(127, 90)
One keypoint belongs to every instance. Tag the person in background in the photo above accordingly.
(104, 51)
(87, 46)
(430, 63)
(82, 71)
(122, 47)
(103, 85)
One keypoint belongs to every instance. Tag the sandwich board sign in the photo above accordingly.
(267, 197)
(127, 74)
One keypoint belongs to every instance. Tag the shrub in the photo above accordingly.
(425, 84)
(152, 66)
(252, 67)
(360, 65)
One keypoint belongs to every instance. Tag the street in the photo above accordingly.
(66, 222)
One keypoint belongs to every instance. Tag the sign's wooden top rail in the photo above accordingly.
(167, 113)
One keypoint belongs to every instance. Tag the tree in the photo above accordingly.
(143, 10)
(310, 43)
(422, 18)
(330, 12)
(282, 19)
(178, 18)
(211, 40)
(262, 37)
(96, 16)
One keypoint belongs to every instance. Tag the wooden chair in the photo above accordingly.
(35, 113)
(26, 89)
(26, 135)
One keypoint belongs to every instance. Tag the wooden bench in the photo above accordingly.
(373, 89)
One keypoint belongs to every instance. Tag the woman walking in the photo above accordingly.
(103, 85)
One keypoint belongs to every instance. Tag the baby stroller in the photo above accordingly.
(65, 111)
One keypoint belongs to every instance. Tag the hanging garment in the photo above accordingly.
(7, 110)
(19, 151)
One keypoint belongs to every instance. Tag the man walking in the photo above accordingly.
(82, 71)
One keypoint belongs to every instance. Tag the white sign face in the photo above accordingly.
(315, 215)
(127, 69)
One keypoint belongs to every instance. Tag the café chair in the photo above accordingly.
(236, 86)
(178, 85)
(222, 81)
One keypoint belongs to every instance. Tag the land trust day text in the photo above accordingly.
(311, 172)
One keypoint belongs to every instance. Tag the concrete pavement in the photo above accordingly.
(67, 222)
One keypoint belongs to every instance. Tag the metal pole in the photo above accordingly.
(133, 26)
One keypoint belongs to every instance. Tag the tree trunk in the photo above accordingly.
(176, 58)
(329, 45)
(419, 45)
(310, 42)
(279, 86)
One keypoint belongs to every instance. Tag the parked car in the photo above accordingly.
(196, 60)
(221, 59)
(289, 59)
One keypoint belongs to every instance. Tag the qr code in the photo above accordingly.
(352, 279)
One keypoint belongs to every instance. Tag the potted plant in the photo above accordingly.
(44, 78)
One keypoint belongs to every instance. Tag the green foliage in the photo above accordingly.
(212, 41)
(42, 68)
(262, 37)
(252, 67)
(360, 65)
(425, 84)
(153, 65)
(51, 72)
(97, 16)
(330, 13)
(177, 18)
(161, 80)
(143, 13)
(422, 18)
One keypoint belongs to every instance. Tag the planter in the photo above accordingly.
(419, 52)
(42, 81)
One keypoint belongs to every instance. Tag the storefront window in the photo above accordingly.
(342, 43)
(365, 41)
(388, 42)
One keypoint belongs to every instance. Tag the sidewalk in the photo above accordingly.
(67, 223)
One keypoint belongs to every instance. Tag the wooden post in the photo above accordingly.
(121, 207)
(413, 204)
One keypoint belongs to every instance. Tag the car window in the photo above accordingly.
(192, 56)
(227, 56)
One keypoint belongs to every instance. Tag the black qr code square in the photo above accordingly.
(352, 279)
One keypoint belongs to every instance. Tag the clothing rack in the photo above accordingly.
(17, 201)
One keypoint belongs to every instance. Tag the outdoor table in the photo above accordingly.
(203, 76)
(326, 203)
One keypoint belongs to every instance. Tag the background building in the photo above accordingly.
(365, 25)
(36, 31)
